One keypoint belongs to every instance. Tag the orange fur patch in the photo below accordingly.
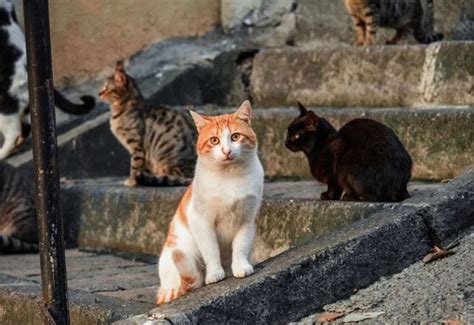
(178, 256)
(216, 126)
(181, 214)
(171, 237)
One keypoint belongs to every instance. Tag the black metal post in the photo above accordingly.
(43, 123)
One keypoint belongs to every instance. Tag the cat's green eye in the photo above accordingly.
(235, 137)
(214, 141)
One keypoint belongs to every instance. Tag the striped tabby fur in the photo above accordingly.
(160, 140)
(18, 229)
(405, 16)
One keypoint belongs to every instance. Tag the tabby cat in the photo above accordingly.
(18, 229)
(363, 161)
(212, 232)
(160, 140)
(405, 16)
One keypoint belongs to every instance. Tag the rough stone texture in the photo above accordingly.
(88, 150)
(300, 281)
(193, 71)
(378, 76)
(327, 21)
(457, 198)
(234, 12)
(423, 132)
(105, 214)
(285, 288)
(102, 288)
(432, 293)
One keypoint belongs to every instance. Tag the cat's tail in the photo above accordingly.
(153, 180)
(12, 245)
(427, 39)
(64, 104)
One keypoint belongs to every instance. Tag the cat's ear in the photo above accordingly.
(303, 110)
(311, 121)
(199, 120)
(120, 77)
(244, 113)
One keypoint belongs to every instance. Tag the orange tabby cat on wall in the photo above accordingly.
(212, 231)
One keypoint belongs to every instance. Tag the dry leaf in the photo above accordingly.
(328, 317)
(357, 317)
(444, 181)
(453, 322)
(437, 253)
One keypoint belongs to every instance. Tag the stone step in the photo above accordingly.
(103, 214)
(287, 287)
(300, 281)
(102, 288)
(326, 22)
(376, 76)
(440, 141)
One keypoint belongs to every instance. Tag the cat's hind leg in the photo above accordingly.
(425, 38)
(333, 193)
(10, 128)
(178, 275)
(401, 32)
(370, 27)
(360, 27)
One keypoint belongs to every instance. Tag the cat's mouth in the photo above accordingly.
(228, 159)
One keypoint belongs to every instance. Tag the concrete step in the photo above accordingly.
(300, 281)
(376, 76)
(103, 214)
(102, 288)
(287, 287)
(326, 22)
(440, 141)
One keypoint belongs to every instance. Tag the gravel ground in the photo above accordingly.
(423, 293)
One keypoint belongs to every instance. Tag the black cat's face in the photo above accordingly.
(301, 130)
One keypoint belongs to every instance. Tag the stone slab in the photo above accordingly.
(89, 275)
(436, 293)
(376, 76)
(284, 288)
(90, 150)
(300, 281)
(104, 214)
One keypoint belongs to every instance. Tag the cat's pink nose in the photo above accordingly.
(226, 152)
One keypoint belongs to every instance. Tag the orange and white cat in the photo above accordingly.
(212, 231)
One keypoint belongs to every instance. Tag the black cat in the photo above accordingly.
(363, 161)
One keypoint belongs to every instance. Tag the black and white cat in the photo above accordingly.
(14, 101)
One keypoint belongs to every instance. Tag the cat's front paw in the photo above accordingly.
(326, 196)
(215, 275)
(130, 182)
(242, 269)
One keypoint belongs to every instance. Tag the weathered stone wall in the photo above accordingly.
(88, 36)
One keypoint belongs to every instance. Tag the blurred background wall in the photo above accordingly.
(88, 35)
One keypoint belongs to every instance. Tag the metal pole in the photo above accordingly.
(43, 123)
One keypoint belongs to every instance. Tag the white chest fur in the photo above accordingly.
(227, 197)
